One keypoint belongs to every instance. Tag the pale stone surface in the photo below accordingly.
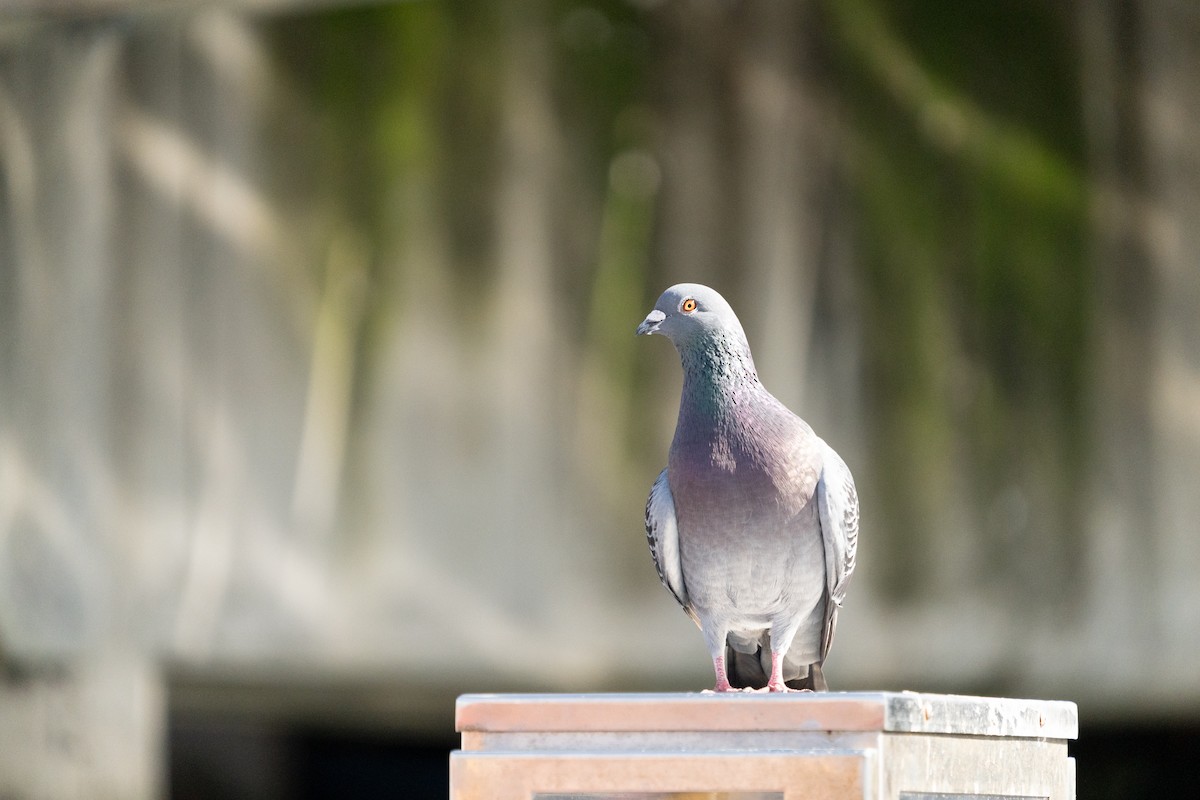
(858, 745)
(898, 712)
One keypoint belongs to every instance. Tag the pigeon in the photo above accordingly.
(753, 525)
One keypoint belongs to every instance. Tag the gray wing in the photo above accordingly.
(837, 501)
(662, 533)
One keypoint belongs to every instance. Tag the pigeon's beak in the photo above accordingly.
(651, 322)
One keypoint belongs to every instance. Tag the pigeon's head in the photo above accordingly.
(690, 312)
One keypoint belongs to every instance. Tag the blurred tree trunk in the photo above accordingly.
(81, 702)
(1143, 108)
(751, 170)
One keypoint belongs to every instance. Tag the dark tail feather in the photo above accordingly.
(813, 679)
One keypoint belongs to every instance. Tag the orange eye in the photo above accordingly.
(688, 306)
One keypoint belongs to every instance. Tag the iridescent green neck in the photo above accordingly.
(716, 368)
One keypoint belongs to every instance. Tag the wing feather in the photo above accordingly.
(837, 501)
(662, 533)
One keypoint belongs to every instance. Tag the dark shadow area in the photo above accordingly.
(227, 759)
(1130, 761)
(331, 764)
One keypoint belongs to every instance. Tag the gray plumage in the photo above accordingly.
(753, 525)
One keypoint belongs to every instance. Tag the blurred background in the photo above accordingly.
(320, 402)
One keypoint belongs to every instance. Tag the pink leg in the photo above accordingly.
(776, 684)
(722, 678)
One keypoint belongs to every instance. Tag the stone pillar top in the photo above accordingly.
(896, 712)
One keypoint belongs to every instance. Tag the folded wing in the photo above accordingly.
(837, 501)
(662, 534)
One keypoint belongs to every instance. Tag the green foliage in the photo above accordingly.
(963, 148)
(968, 174)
